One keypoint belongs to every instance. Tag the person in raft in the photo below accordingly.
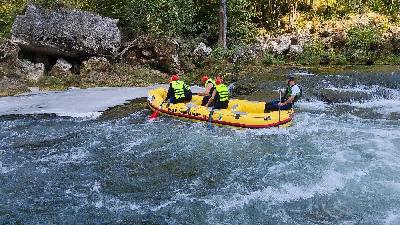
(178, 91)
(220, 96)
(209, 84)
(292, 93)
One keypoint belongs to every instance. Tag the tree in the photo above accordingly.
(222, 24)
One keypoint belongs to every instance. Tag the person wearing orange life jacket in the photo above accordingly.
(178, 91)
(220, 95)
(209, 84)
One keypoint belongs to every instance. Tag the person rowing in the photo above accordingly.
(210, 85)
(220, 96)
(292, 93)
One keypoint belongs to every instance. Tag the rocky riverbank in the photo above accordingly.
(59, 48)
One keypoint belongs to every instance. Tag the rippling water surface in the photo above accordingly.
(338, 164)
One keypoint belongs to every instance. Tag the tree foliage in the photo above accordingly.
(199, 18)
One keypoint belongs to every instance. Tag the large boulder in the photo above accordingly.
(65, 32)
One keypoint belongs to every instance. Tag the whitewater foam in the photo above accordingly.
(392, 218)
(332, 181)
(74, 102)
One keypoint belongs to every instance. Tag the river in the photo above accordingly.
(338, 164)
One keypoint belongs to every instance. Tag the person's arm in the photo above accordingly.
(290, 100)
(207, 91)
(211, 99)
(170, 93)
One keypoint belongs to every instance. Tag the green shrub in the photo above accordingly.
(336, 58)
(389, 60)
(56, 83)
(272, 59)
(312, 54)
(221, 53)
(362, 44)
(8, 11)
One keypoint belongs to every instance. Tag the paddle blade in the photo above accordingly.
(154, 115)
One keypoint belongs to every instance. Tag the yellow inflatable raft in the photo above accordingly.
(240, 113)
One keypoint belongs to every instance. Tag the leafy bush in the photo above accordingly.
(389, 60)
(221, 53)
(362, 44)
(312, 53)
(336, 58)
(8, 11)
(271, 59)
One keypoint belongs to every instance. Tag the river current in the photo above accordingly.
(338, 164)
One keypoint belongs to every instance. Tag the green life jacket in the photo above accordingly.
(222, 92)
(178, 87)
(213, 87)
(288, 93)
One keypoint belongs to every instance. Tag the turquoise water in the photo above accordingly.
(338, 164)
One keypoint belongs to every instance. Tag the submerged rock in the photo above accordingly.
(66, 32)
(333, 96)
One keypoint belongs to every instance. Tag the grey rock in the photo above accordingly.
(8, 52)
(247, 53)
(11, 86)
(95, 69)
(280, 45)
(61, 69)
(295, 49)
(31, 71)
(161, 54)
(202, 51)
(62, 65)
(285, 44)
(66, 32)
(333, 96)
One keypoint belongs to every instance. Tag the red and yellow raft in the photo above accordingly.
(240, 113)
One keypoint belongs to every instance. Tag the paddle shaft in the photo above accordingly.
(279, 108)
(155, 113)
(210, 118)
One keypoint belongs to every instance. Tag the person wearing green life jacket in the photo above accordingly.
(209, 84)
(178, 91)
(220, 95)
(292, 93)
